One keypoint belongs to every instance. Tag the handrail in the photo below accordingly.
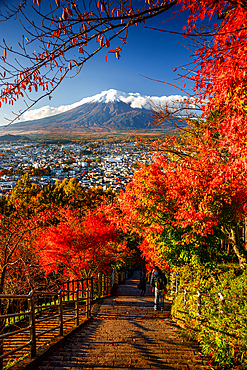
(95, 287)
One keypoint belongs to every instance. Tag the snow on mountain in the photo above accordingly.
(135, 100)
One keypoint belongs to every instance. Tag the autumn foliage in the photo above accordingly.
(78, 247)
(190, 204)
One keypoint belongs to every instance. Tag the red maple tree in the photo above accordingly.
(78, 246)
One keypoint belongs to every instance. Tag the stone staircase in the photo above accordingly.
(125, 332)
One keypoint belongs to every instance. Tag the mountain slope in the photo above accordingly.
(105, 112)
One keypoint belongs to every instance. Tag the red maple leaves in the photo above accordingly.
(78, 246)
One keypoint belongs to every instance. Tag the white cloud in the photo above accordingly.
(134, 99)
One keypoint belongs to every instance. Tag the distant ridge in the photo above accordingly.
(13, 138)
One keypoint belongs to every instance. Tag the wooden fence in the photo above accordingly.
(71, 303)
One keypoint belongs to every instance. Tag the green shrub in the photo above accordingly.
(221, 327)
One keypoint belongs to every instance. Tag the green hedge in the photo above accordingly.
(221, 333)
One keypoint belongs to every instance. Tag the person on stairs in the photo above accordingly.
(158, 281)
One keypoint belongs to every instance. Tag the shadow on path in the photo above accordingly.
(125, 332)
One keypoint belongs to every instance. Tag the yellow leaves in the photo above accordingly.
(70, 66)
(57, 2)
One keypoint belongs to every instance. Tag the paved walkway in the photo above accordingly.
(125, 332)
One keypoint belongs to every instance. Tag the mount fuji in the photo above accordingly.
(110, 111)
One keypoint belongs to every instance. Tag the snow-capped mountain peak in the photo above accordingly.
(135, 100)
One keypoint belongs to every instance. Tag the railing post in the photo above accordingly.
(32, 324)
(90, 302)
(78, 287)
(107, 285)
(103, 285)
(87, 303)
(91, 287)
(99, 285)
(68, 290)
(221, 302)
(73, 288)
(77, 307)
(198, 302)
(60, 312)
(185, 293)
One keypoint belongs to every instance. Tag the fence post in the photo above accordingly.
(221, 302)
(103, 285)
(91, 287)
(99, 285)
(60, 312)
(77, 307)
(198, 302)
(108, 283)
(32, 324)
(90, 301)
(87, 303)
(78, 287)
(68, 290)
(185, 293)
(73, 288)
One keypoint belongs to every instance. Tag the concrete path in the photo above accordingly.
(125, 332)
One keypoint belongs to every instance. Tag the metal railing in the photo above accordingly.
(75, 298)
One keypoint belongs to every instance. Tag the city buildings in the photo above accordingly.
(93, 164)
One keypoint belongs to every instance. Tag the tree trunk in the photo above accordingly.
(238, 249)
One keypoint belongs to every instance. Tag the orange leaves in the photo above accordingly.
(57, 2)
(70, 66)
(64, 15)
(117, 53)
(102, 41)
(5, 53)
(66, 12)
(77, 243)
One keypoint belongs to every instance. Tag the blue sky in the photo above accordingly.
(147, 52)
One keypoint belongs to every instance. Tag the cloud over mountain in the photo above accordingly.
(135, 100)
